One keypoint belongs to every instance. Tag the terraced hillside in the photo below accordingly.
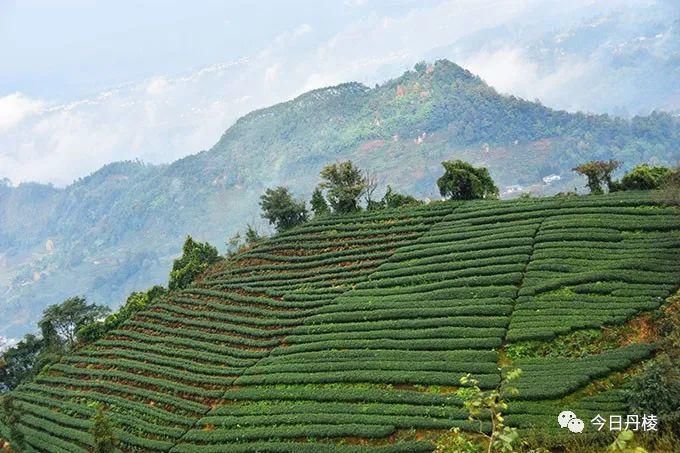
(350, 333)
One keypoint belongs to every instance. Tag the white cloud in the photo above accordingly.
(505, 69)
(364, 47)
(302, 30)
(289, 38)
(511, 71)
(16, 107)
(272, 73)
(6, 343)
(158, 85)
(156, 120)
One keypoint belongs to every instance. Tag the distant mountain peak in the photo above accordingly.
(438, 70)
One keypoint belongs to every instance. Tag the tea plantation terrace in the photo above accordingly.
(349, 332)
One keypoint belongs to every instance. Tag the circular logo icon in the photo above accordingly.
(564, 417)
(575, 425)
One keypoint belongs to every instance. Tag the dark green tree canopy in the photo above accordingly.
(345, 184)
(18, 362)
(196, 258)
(61, 322)
(281, 209)
(462, 181)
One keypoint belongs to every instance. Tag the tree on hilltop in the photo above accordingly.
(344, 184)
(240, 242)
(135, 302)
(598, 172)
(18, 362)
(371, 181)
(281, 209)
(670, 190)
(393, 199)
(59, 326)
(462, 181)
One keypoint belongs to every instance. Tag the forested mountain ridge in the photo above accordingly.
(118, 229)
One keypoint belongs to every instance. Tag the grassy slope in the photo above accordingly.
(343, 334)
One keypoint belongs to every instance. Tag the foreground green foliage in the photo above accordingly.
(656, 389)
(102, 433)
(10, 419)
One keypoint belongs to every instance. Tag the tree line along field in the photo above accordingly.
(350, 333)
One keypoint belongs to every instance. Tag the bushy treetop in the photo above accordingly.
(462, 181)
(281, 209)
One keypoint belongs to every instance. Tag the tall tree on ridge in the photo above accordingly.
(345, 184)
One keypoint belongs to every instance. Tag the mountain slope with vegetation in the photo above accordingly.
(118, 229)
(350, 333)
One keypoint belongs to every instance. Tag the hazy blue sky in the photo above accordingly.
(84, 83)
(61, 49)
